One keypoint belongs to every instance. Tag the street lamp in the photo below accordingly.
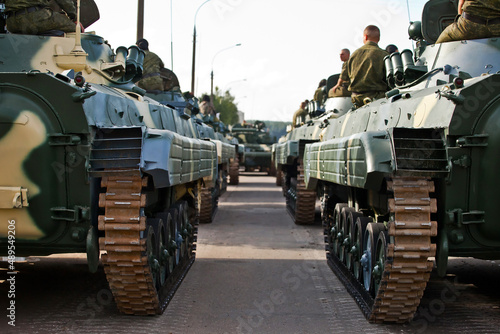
(212, 72)
(194, 47)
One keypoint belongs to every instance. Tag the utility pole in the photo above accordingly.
(194, 47)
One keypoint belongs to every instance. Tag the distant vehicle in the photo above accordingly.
(257, 146)
(289, 152)
(206, 128)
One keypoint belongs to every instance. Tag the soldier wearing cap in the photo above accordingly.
(152, 65)
(36, 17)
(366, 69)
(478, 19)
(341, 88)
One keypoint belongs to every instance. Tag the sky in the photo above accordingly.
(287, 46)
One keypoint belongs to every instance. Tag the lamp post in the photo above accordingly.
(194, 47)
(212, 72)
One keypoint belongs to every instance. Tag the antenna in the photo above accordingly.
(409, 21)
(171, 39)
(78, 39)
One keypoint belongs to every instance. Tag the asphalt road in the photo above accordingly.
(255, 272)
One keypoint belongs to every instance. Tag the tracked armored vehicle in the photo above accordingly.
(413, 175)
(257, 146)
(226, 159)
(93, 165)
(289, 156)
(206, 128)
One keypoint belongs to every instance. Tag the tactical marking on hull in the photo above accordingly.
(346, 120)
(423, 110)
(143, 109)
(316, 131)
(318, 175)
(12, 168)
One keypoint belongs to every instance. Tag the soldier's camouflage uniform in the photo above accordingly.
(474, 23)
(151, 79)
(366, 72)
(35, 17)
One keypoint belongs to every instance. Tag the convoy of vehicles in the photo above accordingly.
(92, 163)
(408, 177)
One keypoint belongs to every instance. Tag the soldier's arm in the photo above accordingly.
(460, 4)
(69, 7)
(344, 77)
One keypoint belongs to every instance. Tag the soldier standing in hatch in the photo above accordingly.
(478, 19)
(366, 69)
(341, 88)
(152, 65)
(36, 17)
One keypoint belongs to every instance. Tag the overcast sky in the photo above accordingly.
(287, 46)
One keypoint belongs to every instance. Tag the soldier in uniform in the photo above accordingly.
(301, 112)
(319, 93)
(36, 17)
(366, 69)
(152, 65)
(207, 110)
(478, 19)
(341, 88)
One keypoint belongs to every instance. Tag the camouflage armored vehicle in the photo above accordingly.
(92, 164)
(413, 175)
(257, 146)
(290, 150)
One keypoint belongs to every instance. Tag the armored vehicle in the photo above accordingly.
(289, 152)
(206, 128)
(413, 175)
(226, 158)
(257, 146)
(91, 164)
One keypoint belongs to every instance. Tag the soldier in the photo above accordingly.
(391, 48)
(341, 88)
(207, 110)
(478, 19)
(319, 93)
(301, 112)
(366, 69)
(36, 17)
(152, 65)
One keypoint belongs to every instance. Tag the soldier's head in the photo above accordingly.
(345, 54)
(391, 48)
(372, 34)
(322, 83)
(142, 44)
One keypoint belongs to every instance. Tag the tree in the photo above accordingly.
(224, 104)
